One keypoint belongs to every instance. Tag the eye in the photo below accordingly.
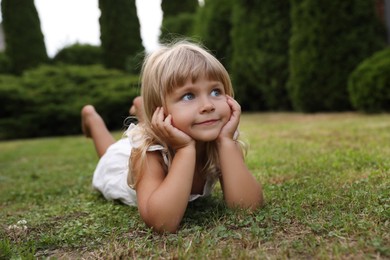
(188, 96)
(216, 92)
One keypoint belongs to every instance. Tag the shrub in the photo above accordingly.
(47, 101)
(12, 98)
(79, 54)
(15, 104)
(369, 83)
(5, 64)
(329, 39)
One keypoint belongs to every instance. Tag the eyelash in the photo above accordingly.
(186, 95)
(217, 90)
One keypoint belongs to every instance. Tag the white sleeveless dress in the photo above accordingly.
(110, 176)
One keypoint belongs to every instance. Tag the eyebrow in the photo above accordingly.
(182, 90)
(189, 88)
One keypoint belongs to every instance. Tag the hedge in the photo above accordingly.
(79, 54)
(47, 101)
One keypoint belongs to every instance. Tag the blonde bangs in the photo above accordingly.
(190, 62)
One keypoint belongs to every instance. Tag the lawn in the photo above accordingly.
(326, 179)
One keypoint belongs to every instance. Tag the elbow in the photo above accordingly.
(260, 202)
(258, 199)
(255, 205)
(247, 205)
(160, 224)
(252, 202)
(163, 227)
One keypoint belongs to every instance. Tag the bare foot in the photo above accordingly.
(136, 108)
(87, 112)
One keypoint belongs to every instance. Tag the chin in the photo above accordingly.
(206, 136)
(206, 139)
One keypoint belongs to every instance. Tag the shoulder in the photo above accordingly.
(146, 165)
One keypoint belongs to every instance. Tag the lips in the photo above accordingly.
(207, 122)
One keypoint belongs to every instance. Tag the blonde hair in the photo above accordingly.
(165, 69)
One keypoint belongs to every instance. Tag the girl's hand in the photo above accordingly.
(163, 126)
(231, 126)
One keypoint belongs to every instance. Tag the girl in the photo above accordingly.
(185, 141)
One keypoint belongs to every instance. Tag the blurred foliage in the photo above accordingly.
(329, 39)
(5, 64)
(172, 8)
(47, 100)
(79, 54)
(290, 55)
(213, 26)
(134, 63)
(178, 19)
(177, 27)
(260, 35)
(25, 46)
(369, 84)
(119, 32)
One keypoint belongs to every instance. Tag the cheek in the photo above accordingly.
(179, 119)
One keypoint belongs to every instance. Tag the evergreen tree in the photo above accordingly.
(178, 19)
(25, 47)
(329, 39)
(213, 26)
(172, 8)
(119, 32)
(260, 36)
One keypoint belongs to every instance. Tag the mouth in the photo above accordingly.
(207, 122)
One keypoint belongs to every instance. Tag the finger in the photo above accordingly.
(234, 105)
(154, 117)
(158, 119)
(231, 100)
(171, 129)
(162, 119)
(160, 122)
(168, 120)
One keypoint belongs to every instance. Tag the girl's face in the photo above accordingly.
(199, 109)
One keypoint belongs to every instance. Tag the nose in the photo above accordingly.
(207, 105)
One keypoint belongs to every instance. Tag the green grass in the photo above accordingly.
(326, 180)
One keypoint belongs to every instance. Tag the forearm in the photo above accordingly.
(167, 204)
(240, 187)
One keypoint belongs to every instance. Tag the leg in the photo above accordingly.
(94, 127)
(136, 108)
